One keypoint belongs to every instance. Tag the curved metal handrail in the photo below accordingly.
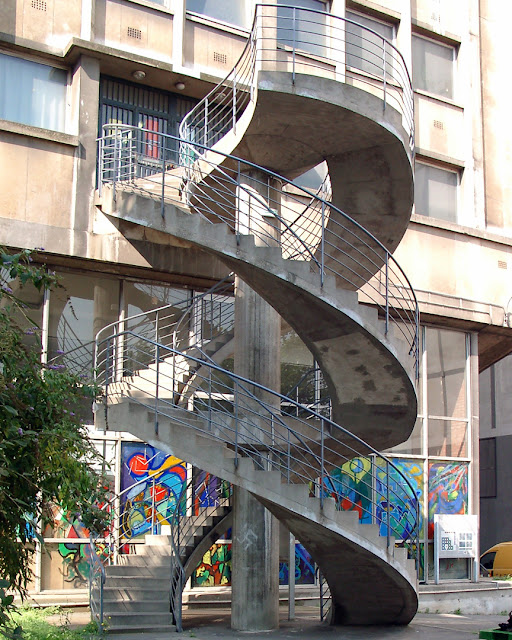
(301, 40)
(306, 449)
(330, 240)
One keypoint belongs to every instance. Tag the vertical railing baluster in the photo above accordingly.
(234, 103)
(384, 72)
(322, 248)
(153, 504)
(388, 519)
(294, 43)
(205, 134)
(157, 384)
(162, 149)
(387, 291)
(322, 465)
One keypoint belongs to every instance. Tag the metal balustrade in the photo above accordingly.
(301, 41)
(305, 447)
(305, 226)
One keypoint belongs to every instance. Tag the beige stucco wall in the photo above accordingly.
(495, 50)
(50, 22)
(134, 27)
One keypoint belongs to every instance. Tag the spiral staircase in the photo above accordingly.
(308, 88)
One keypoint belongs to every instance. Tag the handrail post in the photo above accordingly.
(387, 292)
(294, 43)
(322, 466)
(388, 519)
(205, 134)
(384, 73)
(234, 103)
(322, 249)
(236, 425)
(162, 204)
(153, 505)
(157, 383)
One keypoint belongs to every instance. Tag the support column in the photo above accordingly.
(255, 575)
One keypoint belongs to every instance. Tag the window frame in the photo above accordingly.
(426, 162)
(353, 17)
(67, 117)
(455, 55)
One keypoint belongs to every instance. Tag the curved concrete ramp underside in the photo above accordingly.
(370, 583)
(296, 126)
(372, 393)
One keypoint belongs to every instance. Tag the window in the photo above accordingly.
(365, 50)
(32, 93)
(432, 67)
(226, 10)
(436, 192)
(302, 29)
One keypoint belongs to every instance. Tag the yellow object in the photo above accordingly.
(497, 561)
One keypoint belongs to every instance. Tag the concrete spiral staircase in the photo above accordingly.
(327, 271)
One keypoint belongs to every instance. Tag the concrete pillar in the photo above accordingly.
(255, 575)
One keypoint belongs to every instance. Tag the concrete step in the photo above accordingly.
(129, 580)
(126, 622)
(143, 567)
(137, 604)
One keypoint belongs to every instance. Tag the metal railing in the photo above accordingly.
(203, 503)
(198, 325)
(306, 448)
(96, 584)
(301, 41)
(305, 226)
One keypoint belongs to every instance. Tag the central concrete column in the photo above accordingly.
(255, 574)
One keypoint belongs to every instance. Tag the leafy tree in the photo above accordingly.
(45, 452)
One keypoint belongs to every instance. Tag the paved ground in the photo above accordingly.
(213, 624)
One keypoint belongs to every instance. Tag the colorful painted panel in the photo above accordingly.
(66, 565)
(396, 505)
(153, 478)
(215, 568)
(304, 568)
(447, 490)
(351, 487)
(208, 490)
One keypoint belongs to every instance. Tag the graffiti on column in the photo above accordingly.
(163, 477)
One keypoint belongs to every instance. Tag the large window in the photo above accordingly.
(302, 29)
(226, 10)
(365, 49)
(432, 67)
(435, 192)
(32, 93)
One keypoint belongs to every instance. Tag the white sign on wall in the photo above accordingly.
(455, 537)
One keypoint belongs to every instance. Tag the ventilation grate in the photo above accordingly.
(40, 5)
(502, 264)
(220, 57)
(438, 124)
(134, 33)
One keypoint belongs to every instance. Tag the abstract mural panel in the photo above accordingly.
(208, 490)
(351, 486)
(215, 567)
(150, 477)
(304, 568)
(447, 490)
(395, 500)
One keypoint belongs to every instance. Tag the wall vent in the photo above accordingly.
(502, 264)
(220, 57)
(438, 124)
(134, 33)
(40, 5)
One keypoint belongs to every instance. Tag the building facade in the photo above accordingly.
(68, 69)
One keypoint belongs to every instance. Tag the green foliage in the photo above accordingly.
(36, 626)
(45, 452)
